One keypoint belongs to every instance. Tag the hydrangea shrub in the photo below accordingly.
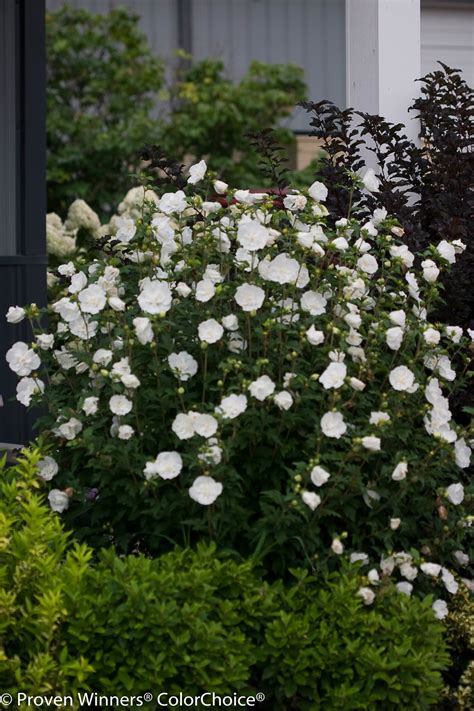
(247, 370)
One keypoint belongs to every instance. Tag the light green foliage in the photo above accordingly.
(36, 565)
(196, 621)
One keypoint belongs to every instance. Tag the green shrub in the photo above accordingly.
(103, 82)
(196, 621)
(459, 691)
(37, 563)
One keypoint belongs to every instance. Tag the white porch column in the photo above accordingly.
(383, 58)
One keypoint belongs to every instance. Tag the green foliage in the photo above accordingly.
(460, 637)
(212, 116)
(102, 85)
(36, 565)
(196, 621)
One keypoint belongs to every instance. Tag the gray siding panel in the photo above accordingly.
(309, 33)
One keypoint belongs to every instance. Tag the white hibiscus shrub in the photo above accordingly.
(244, 371)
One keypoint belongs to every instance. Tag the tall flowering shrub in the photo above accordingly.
(243, 370)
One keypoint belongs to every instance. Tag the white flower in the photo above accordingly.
(402, 379)
(92, 299)
(120, 405)
(70, 429)
(400, 471)
(462, 453)
(47, 468)
(337, 546)
(83, 328)
(130, 381)
(447, 251)
(449, 581)
(102, 356)
(367, 595)
(371, 443)
(454, 333)
(232, 406)
(262, 387)
(252, 235)
(249, 297)
(236, 343)
(67, 269)
(204, 425)
(361, 558)
(281, 270)
(431, 336)
(125, 432)
(210, 331)
(116, 304)
(126, 229)
(58, 500)
(398, 318)
(440, 609)
(295, 202)
(183, 426)
(379, 215)
(408, 571)
(319, 476)
(311, 499)
(231, 322)
(394, 337)
(340, 243)
(370, 181)
(318, 191)
(205, 490)
(333, 376)
(430, 270)
(197, 172)
(402, 252)
(432, 569)
(405, 588)
(143, 329)
(333, 425)
(45, 341)
(220, 187)
(183, 289)
(283, 400)
(90, 405)
(173, 202)
(22, 359)
(183, 365)
(395, 523)
(26, 388)
(205, 290)
(155, 297)
(367, 263)
(249, 198)
(357, 384)
(314, 303)
(167, 465)
(78, 282)
(314, 337)
(461, 557)
(15, 314)
(455, 494)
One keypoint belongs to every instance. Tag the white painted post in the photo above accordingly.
(383, 58)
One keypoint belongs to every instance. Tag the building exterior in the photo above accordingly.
(364, 53)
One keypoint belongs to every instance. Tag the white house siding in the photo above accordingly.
(309, 33)
(447, 34)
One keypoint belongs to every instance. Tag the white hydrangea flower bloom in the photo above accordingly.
(155, 297)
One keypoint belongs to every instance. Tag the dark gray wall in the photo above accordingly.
(310, 33)
(22, 187)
